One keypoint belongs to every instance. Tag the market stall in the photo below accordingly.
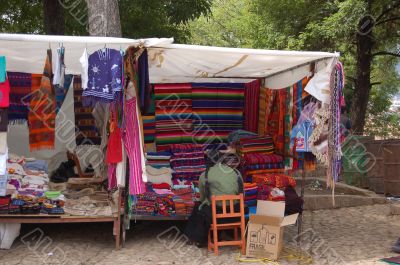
(164, 110)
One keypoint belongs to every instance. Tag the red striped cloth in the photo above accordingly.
(251, 102)
(260, 159)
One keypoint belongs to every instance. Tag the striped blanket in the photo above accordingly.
(173, 114)
(149, 128)
(217, 110)
(20, 96)
(263, 145)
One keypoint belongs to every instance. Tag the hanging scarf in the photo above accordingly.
(61, 91)
(20, 96)
(86, 133)
(114, 148)
(334, 147)
(251, 102)
(42, 115)
(3, 120)
(5, 94)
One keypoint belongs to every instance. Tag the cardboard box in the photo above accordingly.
(265, 230)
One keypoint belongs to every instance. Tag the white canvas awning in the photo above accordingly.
(172, 63)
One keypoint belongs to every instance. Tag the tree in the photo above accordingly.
(54, 20)
(103, 18)
(139, 18)
(366, 32)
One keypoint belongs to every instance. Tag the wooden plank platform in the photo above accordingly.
(159, 217)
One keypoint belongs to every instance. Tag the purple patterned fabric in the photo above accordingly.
(104, 76)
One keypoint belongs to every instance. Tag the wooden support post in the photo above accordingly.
(300, 220)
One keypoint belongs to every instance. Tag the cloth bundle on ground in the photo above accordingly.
(173, 114)
(272, 186)
(250, 194)
(159, 159)
(217, 110)
(188, 163)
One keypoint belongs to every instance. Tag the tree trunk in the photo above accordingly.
(54, 23)
(103, 18)
(365, 44)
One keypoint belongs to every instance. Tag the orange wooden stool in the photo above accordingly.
(213, 242)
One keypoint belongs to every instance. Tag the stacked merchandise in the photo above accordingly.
(149, 128)
(250, 194)
(217, 110)
(158, 159)
(272, 186)
(145, 204)
(173, 114)
(188, 163)
(183, 200)
(28, 189)
(164, 205)
(261, 163)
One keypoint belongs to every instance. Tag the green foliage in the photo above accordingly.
(139, 18)
(313, 25)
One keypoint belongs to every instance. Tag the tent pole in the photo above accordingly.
(300, 220)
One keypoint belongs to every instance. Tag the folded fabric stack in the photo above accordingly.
(235, 136)
(260, 145)
(165, 205)
(159, 175)
(276, 180)
(255, 163)
(4, 204)
(272, 186)
(188, 163)
(183, 201)
(149, 128)
(159, 159)
(250, 194)
(145, 204)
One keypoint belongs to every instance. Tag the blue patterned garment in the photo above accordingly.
(104, 76)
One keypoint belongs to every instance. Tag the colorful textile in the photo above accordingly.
(3, 119)
(105, 76)
(261, 159)
(149, 128)
(61, 91)
(257, 145)
(86, 133)
(145, 88)
(186, 148)
(235, 136)
(217, 110)
(5, 94)
(132, 147)
(20, 96)
(275, 180)
(251, 103)
(42, 115)
(173, 114)
(2, 69)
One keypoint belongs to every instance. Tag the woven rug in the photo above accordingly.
(251, 103)
(217, 110)
(86, 131)
(20, 84)
(149, 128)
(173, 115)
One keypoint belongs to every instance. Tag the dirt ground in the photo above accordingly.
(358, 235)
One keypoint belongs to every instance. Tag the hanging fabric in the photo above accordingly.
(173, 114)
(5, 94)
(3, 68)
(59, 72)
(42, 115)
(20, 96)
(105, 76)
(3, 119)
(114, 148)
(86, 131)
(61, 91)
(131, 140)
(251, 110)
(334, 144)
